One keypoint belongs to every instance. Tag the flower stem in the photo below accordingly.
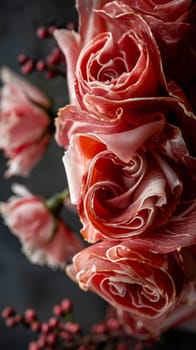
(54, 203)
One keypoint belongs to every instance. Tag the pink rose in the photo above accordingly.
(129, 99)
(24, 123)
(117, 58)
(45, 238)
(22, 159)
(122, 185)
(144, 284)
(184, 309)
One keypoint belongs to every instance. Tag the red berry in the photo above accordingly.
(50, 74)
(22, 58)
(40, 65)
(18, 319)
(51, 29)
(72, 327)
(66, 305)
(53, 322)
(51, 60)
(57, 55)
(10, 322)
(45, 327)
(27, 67)
(51, 339)
(33, 346)
(42, 32)
(42, 341)
(57, 310)
(30, 315)
(65, 335)
(7, 312)
(56, 51)
(99, 328)
(36, 326)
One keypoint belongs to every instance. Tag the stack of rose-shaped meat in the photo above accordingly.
(128, 135)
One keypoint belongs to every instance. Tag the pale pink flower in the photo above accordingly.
(45, 238)
(24, 123)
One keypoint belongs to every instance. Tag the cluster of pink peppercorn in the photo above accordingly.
(51, 65)
(59, 332)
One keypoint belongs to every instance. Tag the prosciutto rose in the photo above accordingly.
(119, 60)
(133, 280)
(44, 237)
(122, 187)
(184, 309)
(24, 123)
(112, 89)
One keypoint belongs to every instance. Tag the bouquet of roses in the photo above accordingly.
(128, 135)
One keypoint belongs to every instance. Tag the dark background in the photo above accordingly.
(22, 284)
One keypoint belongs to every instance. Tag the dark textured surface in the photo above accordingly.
(22, 284)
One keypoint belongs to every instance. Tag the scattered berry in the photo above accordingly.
(51, 339)
(30, 315)
(50, 74)
(72, 327)
(53, 322)
(99, 328)
(51, 29)
(28, 67)
(57, 311)
(66, 305)
(40, 65)
(36, 326)
(10, 322)
(42, 32)
(33, 346)
(22, 58)
(7, 312)
(45, 327)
